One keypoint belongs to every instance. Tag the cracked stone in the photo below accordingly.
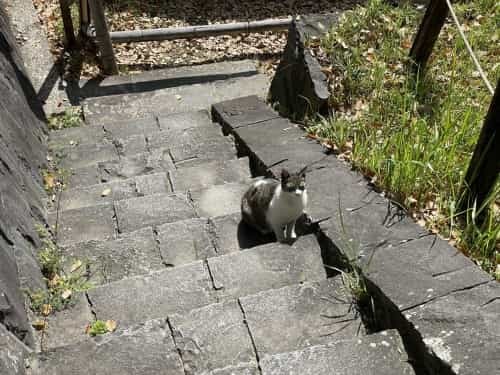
(155, 209)
(131, 254)
(145, 349)
(155, 295)
(185, 241)
(316, 309)
(213, 337)
(267, 267)
(84, 224)
(377, 354)
(462, 328)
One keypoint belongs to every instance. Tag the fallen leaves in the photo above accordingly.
(39, 324)
(106, 192)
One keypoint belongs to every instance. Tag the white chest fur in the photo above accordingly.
(285, 207)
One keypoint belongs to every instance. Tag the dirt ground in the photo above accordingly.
(145, 14)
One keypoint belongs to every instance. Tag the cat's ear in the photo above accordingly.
(284, 174)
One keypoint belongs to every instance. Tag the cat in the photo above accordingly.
(270, 205)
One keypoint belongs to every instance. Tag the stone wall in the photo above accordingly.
(23, 133)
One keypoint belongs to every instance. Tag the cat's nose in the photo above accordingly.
(298, 192)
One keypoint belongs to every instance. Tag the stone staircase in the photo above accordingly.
(153, 207)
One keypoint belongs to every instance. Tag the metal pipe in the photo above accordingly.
(199, 31)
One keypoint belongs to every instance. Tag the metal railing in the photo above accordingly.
(93, 25)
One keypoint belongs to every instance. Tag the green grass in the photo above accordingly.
(70, 118)
(414, 136)
(61, 285)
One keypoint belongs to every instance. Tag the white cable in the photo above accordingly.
(467, 45)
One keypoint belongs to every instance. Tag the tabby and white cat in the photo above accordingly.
(272, 205)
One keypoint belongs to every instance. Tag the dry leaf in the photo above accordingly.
(46, 309)
(77, 264)
(106, 192)
(39, 324)
(178, 97)
(49, 181)
(110, 325)
(66, 294)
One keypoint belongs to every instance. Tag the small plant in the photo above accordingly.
(70, 118)
(61, 285)
(100, 327)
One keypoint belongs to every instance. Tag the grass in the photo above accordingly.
(61, 285)
(70, 118)
(414, 135)
(100, 327)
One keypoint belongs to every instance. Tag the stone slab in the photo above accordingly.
(149, 184)
(84, 224)
(242, 369)
(378, 354)
(136, 165)
(67, 327)
(127, 128)
(218, 200)
(93, 195)
(369, 219)
(231, 234)
(184, 120)
(185, 241)
(213, 337)
(462, 329)
(84, 176)
(130, 145)
(424, 272)
(267, 267)
(131, 254)
(145, 349)
(210, 173)
(195, 96)
(243, 111)
(12, 353)
(75, 136)
(270, 133)
(192, 142)
(298, 316)
(155, 209)
(158, 294)
(87, 154)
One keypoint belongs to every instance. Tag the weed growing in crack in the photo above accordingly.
(70, 118)
(352, 270)
(62, 283)
(100, 327)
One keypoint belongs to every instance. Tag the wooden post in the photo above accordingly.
(484, 166)
(102, 37)
(428, 32)
(69, 31)
(84, 17)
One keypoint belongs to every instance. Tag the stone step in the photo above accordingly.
(233, 333)
(378, 354)
(171, 91)
(146, 349)
(227, 277)
(97, 194)
(186, 177)
(297, 316)
(79, 221)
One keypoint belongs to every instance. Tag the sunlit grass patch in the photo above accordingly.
(414, 137)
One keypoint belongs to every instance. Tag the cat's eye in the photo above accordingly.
(302, 184)
(289, 185)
